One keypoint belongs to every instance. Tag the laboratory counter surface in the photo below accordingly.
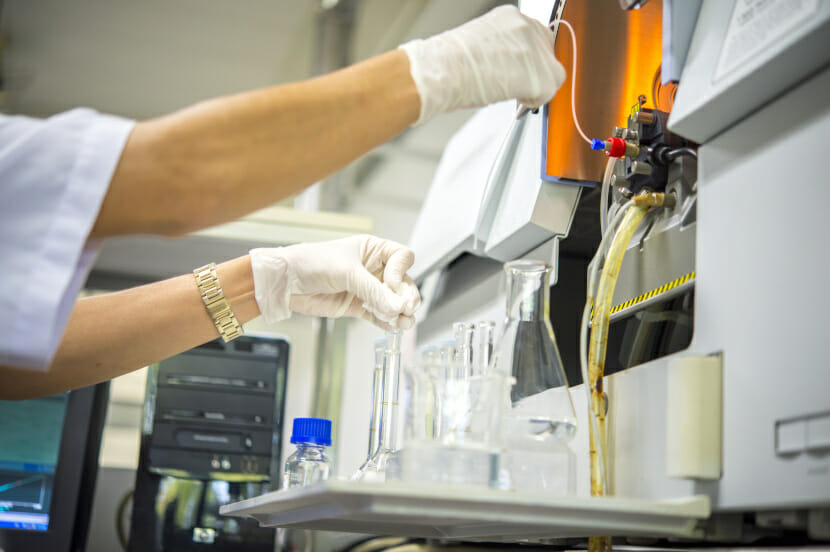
(446, 512)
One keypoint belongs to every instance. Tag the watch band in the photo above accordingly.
(217, 306)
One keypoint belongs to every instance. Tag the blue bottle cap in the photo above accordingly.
(311, 430)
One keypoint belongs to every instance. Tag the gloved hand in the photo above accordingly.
(360, 276)
(498, 56)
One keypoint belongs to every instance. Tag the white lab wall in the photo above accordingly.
(145, 58)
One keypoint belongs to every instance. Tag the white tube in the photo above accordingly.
(573, 82)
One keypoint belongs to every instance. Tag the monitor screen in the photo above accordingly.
(30, 440)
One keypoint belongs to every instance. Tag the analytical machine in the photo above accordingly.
(715, 115)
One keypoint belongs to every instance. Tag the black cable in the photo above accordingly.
(123, 539)
(662, 155)
(671, 155)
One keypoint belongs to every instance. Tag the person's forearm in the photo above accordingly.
(102, 342)
(223, 158)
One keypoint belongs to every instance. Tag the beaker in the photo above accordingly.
(453, 431)
(541, 411)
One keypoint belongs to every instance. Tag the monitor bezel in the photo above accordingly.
(74, 481)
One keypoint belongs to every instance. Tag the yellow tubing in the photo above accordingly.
(599, 342)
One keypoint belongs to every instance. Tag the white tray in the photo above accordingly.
(468, 513)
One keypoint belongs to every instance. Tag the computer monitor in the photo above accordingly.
(48, 464)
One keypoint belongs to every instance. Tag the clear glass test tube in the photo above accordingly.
(377, 397)
(485, 338)
(464, 346)
(391, 383)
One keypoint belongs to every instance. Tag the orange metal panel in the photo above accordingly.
(619, 56)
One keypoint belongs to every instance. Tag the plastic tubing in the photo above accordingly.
(599, 337)
(606, 186)
(573, 81)
(593, 278)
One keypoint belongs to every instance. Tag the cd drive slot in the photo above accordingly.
(214, 381)
(183, 415)
(232, 442)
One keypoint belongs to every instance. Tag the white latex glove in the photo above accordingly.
(499, 56)
(361, 276)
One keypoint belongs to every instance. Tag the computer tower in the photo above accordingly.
(211, 435)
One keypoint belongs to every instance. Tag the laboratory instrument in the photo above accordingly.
(708, 300)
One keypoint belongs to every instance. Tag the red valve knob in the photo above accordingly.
(616, 148)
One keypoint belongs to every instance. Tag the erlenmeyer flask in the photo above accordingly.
(541, 410)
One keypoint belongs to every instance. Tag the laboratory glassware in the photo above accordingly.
(377, 398)
(464, 347)
(375, 468)
(377, 406)
(453, 425)
(309, 463)
(541, 410)
(446, 352)
(429, 354)
(485, 342)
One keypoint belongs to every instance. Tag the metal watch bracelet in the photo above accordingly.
(215, 302)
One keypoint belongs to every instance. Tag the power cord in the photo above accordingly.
(120, 529)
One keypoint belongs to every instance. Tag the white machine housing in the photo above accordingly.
(760, 294)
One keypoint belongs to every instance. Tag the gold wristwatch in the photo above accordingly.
(217, 306)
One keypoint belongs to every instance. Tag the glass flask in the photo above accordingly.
(541, 409)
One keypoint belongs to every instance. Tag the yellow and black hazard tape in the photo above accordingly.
(648, 295)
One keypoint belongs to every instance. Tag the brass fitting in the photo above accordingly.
(649, 199)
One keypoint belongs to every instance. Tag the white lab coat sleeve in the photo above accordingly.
(54, 174)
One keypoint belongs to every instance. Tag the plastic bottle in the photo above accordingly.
(309, 463)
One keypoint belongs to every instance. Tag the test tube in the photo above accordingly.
(446, 353)
(486, 341)
(377, 397)
(464, 340)
(391, 383)
(429, 354)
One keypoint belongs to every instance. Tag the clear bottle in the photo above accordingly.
(527, 350)
(310, 462)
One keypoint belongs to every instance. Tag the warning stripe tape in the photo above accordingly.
(657, 291)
